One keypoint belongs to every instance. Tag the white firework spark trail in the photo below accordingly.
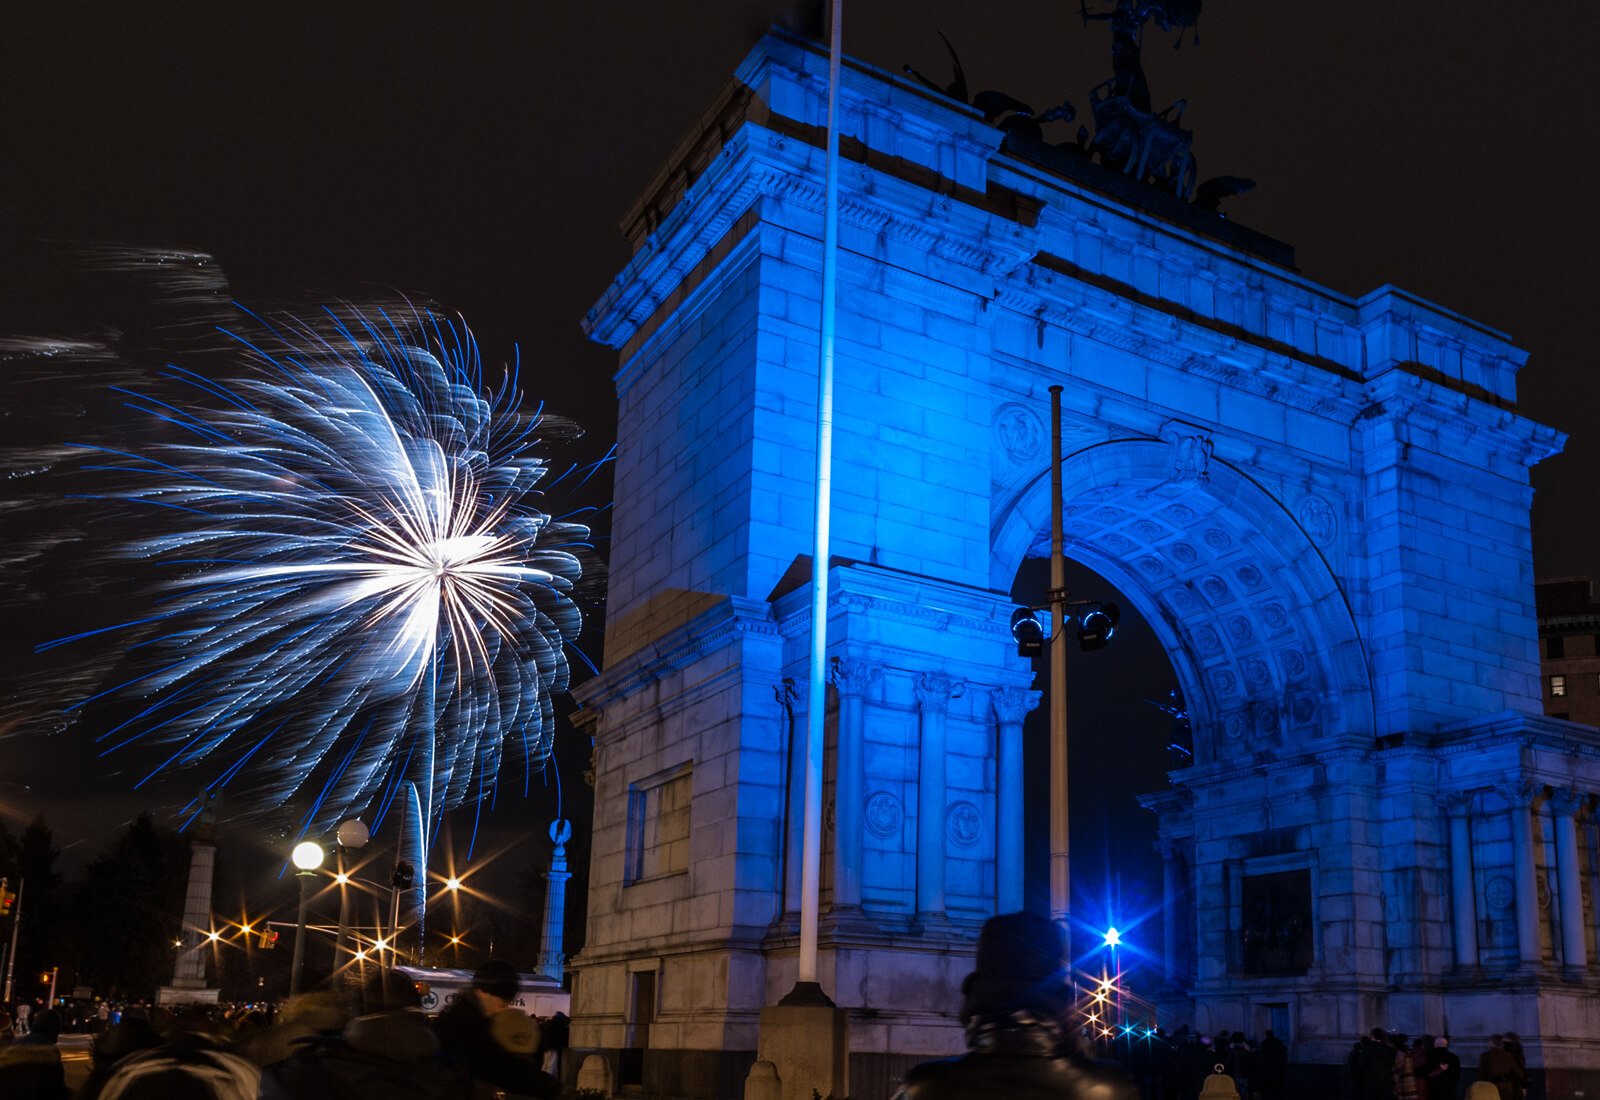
(370, 595)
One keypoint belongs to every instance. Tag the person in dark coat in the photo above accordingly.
(470, 1039)
(1513, 1045)
(1016, 1008)
(1444, 1071)
(1499, 1068)
(1375, 1066)
(30, 1068)
(1274, 1061)
(388, 1052)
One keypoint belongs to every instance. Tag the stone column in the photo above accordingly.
(552, 962)
(1567, 804)
(1171, 896)
(1011, 706)
(1520, 797)
(934, 692)
(1457, 805)
(190, 971)
(794, 798)
(850, 676)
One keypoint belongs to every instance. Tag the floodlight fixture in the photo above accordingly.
(1097, 624)
(1028, 631)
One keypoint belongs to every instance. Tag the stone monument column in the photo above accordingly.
(1568, 804)
(1520, 798)
(552, 962)
(851, 677)
(189, 975)
(1011, 706)
(934, 692)
(793, 823)
(1457, 806)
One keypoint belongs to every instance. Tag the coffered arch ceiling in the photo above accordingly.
(1258, 630)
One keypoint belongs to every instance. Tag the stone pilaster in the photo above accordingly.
(1011, 706)
(787, 694)
(1568, 804)
(934, 692)
(1171, 915)
(850, 676)
(1457, 806)
(1520, 796)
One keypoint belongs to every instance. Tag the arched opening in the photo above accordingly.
(1120, 750)
(1232, 588)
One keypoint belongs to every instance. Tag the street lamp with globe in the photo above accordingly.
(307, 856)
(353, 836)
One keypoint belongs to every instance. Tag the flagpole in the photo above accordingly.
(811, 845)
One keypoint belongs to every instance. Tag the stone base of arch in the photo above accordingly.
(1415, 854)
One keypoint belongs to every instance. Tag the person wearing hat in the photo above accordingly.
(481, 1032)
(1015, 1008)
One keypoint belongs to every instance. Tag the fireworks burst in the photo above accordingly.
(368, 599)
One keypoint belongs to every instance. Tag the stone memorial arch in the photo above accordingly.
(1319, 503)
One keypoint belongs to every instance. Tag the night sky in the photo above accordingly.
(480, 155)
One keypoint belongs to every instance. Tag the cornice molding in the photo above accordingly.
(757, 162)
(730, 621)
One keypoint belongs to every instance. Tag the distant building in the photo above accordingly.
(1569, 649)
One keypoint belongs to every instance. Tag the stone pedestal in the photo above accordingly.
(810, 1046)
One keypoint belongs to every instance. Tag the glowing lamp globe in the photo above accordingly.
(1113, 937)
(353, 833)
(307, 855)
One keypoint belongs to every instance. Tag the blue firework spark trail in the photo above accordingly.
(365, 590)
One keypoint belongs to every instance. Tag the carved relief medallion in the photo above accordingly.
(1499, 893)
(883, 814)
(1018, 431)
(1318, 519)
(963, 824)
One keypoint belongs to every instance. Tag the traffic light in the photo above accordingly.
(269, 939)
(404, 875)
(8, 898)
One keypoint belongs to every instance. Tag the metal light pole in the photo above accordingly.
(1060, 848)
(307, 856)
(16, 924)
(352, 834)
